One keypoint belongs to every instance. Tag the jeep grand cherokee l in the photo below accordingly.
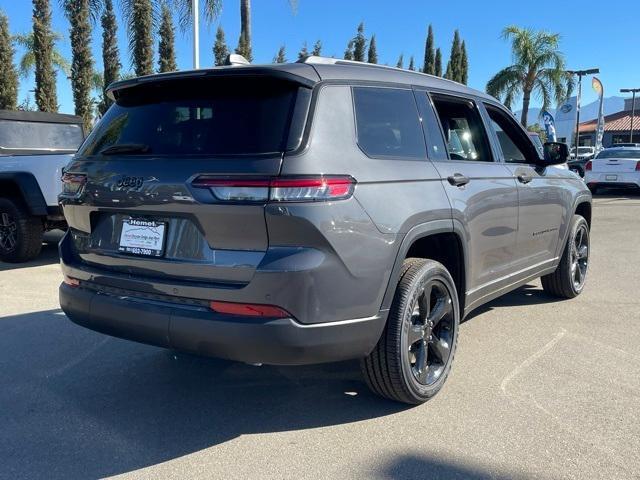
(313, 212)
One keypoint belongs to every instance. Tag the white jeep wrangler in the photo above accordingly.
(34, 148)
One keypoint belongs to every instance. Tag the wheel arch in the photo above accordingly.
(24, 186)
(440, 240)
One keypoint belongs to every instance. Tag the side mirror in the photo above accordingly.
(555, 153)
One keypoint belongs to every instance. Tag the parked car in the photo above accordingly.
(614, 167)
(312, 212)
(584, 155)
(615, 145)
(34, 147)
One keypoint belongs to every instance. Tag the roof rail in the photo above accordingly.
(235, 59)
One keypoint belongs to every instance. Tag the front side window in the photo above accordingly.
(464, 134)
(388, 123)
(516, 147)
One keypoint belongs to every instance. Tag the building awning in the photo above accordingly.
(616, 122)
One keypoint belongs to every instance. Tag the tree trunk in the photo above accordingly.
(526, 98)
(245, 21)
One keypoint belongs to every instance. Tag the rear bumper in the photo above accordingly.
(201, 331)
(622, 180)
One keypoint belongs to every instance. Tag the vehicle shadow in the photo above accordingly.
(526, 295)
(48, 255)
(80, 404)
(427, 467)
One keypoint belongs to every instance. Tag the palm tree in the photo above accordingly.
(211, 10)
(538, 68)
(28, 61)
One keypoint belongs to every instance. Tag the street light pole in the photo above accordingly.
(580, 74)
(633, 107)
(196, 34)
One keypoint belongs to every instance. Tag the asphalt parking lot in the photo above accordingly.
(540, 389)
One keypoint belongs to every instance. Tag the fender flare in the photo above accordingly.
(580, 198)
(417, 232)
(29, 190)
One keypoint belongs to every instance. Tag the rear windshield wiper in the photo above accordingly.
(124, 148)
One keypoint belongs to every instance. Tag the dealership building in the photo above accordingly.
(617, 127)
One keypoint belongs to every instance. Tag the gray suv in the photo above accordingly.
(313, 212)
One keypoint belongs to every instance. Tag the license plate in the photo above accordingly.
(611, 177)
(142, 237)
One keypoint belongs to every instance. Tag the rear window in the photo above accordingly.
(17, 135)
(388, 123)
(619, 153)
(223, 116)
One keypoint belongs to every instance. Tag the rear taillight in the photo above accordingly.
(281, 189)
(248, 309)
(72, 183)
(637, 166)
(588, 166)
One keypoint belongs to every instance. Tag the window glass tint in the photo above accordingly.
(463, 131)
(388, 123)
(39, 135)
(223, 116)
(626, 153)
(515, 146)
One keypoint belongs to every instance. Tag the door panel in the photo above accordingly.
(542, 196)
(485, 201)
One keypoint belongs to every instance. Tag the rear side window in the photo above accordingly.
(387, 123)
(464, 135)
(211, 116)
(17, 135)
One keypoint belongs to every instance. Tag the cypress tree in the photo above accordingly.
(359, 44)
(464, 64)
(8, 74)
(46, 97)
(141, 36)
(280, 56)
(454, 64)
(348, 53)
(438, 66)
(400, 63)
(372, 57)
(166, 47)
(429, 54)
(220, 49)
(244, 48)
(317, 48)
(77, 11)
(110, 53)
(412, 65)
(304, 52)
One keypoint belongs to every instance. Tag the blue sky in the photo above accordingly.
(603, 34)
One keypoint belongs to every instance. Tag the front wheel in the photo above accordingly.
(569, 278)
(413, 357)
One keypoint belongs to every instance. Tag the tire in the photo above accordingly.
(20, 233)
(569, 278)
(392, 370)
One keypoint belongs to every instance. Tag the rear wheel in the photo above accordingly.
(413, 357)
(20, 233)
(569, 278)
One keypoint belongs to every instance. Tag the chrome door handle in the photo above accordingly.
(458, 180)
(523, 178)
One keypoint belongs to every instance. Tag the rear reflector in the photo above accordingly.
(281, 189)
(588, 166)
(72, 282)
(249, 309)
(638, 167)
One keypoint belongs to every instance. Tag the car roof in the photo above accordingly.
(45, 117)
(311, 71)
